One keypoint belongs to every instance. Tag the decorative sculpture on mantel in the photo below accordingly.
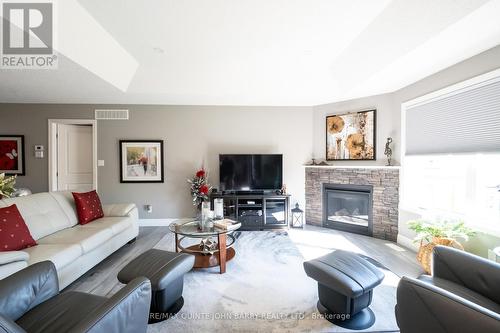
(388, 151)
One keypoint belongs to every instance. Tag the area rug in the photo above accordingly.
(265, 289)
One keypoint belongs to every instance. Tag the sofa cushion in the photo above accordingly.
(87, 238)
(13, 256)
(118, 209)
(116, 224)
(60, 254)
(88, 206)
(41, 212)
(67, 204)
(9, 269)
(14, 234)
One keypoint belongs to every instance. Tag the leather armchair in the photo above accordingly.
(462, 295)
(30, 302)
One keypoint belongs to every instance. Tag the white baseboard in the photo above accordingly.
(407, 243)
(155, 222)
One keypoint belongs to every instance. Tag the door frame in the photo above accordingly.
(53, 148)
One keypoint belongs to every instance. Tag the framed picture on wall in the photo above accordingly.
(12, 154)
(351, 136)
(141, 161)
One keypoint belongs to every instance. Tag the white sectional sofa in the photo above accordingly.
(73, 248)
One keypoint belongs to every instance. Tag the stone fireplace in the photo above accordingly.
(356, 199)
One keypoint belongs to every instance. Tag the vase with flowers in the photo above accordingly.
(200, 189)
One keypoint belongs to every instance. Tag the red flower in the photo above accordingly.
(200, 173)
(204, 189)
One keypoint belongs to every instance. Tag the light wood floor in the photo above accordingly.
(101, 280)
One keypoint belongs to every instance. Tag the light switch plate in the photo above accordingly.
(100, 162)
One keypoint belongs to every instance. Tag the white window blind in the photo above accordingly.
(459, 122)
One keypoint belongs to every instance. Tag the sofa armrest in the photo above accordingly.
(476, 273)
(127, 311)
(13, 256)
(13, 267)
(12, 262)
(9, 326)
(422, 307)
(119, 210)
(27, 288)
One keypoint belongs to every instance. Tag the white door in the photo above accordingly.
(74, 157)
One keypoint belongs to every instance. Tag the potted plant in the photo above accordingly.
(7, 185)
(430, 234)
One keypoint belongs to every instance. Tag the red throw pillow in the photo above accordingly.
(14, 234)
(88, 206)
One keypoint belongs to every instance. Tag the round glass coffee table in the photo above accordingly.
(214, 249)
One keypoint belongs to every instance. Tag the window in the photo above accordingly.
(462, 186)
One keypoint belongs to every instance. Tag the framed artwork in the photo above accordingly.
(12, 154)
(141, 161)
(351, 136)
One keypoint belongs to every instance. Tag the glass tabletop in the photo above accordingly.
(190, 228)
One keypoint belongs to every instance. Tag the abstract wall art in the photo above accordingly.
(351, 136)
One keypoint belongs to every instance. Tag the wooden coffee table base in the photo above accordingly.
(203, 260)
(211, 260)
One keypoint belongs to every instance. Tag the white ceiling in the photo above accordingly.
(251, 52)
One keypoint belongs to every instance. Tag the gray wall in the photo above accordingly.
(389, 123)
(193, 135)
(389, 105)
(386, 125)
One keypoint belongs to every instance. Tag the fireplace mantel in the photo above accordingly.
(392, 167)
(385, 182)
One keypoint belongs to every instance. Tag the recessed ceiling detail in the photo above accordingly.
(261, 52)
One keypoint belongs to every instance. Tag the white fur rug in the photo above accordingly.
(265, 289)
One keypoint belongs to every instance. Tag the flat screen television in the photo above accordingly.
(250, 172)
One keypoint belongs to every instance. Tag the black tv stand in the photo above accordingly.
(255, 211)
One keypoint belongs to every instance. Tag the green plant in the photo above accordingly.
(426, 230)
(7, 185)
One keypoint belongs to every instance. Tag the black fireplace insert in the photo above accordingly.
(348, 208)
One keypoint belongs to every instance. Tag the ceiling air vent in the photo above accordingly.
(111, 114)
